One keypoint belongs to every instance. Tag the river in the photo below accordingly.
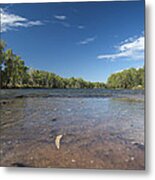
(101, 129)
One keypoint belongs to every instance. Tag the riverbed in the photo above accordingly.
(101, 129)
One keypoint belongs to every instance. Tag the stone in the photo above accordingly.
(54, 119)
(73, 161)
(31, 158)
(91, 161)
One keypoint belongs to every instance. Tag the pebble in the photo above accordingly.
(127, 149)
(106, 153)
(73, 161)
(3, 102)
(126, 160)
(132, 158)
(133, 142)
(16, 142)
(9, 142)
(54, 119)
(7, 112)
(31, 158)
(44, 130)
(50, 135)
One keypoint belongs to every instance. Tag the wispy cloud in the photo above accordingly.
(87, 40)
(58, 17)
(121, 70)
(12, 22)
(65, 24)
(61, 19)
(80, 27)
(132, 48)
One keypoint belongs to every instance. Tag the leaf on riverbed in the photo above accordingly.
(57, 141)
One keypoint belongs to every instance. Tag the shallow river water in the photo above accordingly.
(100, 128)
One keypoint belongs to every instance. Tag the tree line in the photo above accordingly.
(15, 74)
(127, 79)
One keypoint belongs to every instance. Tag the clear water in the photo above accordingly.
(87, 119)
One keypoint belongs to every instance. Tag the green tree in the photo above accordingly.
(2, 56)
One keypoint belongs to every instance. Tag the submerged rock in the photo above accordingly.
(3, 102)
(19, 165)
(54, 119)
(139, 145)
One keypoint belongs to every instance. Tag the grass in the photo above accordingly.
(128, 99)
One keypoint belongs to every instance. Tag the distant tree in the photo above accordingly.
(127, 79)
(15, 74)
(2, 56)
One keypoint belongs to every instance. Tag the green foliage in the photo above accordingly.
(128, 79)
(2, 46)
(13, 69)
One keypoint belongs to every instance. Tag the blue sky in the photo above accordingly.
(88, 40)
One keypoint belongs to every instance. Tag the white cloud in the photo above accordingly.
(60, 17)
(131, 48)
(80, 27)
(137, 44)
(120, 70)
(87, 40)
(11, 21)
(65, 24)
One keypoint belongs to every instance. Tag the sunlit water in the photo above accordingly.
(89, 120)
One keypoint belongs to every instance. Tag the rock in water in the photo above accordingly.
(57, 141)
